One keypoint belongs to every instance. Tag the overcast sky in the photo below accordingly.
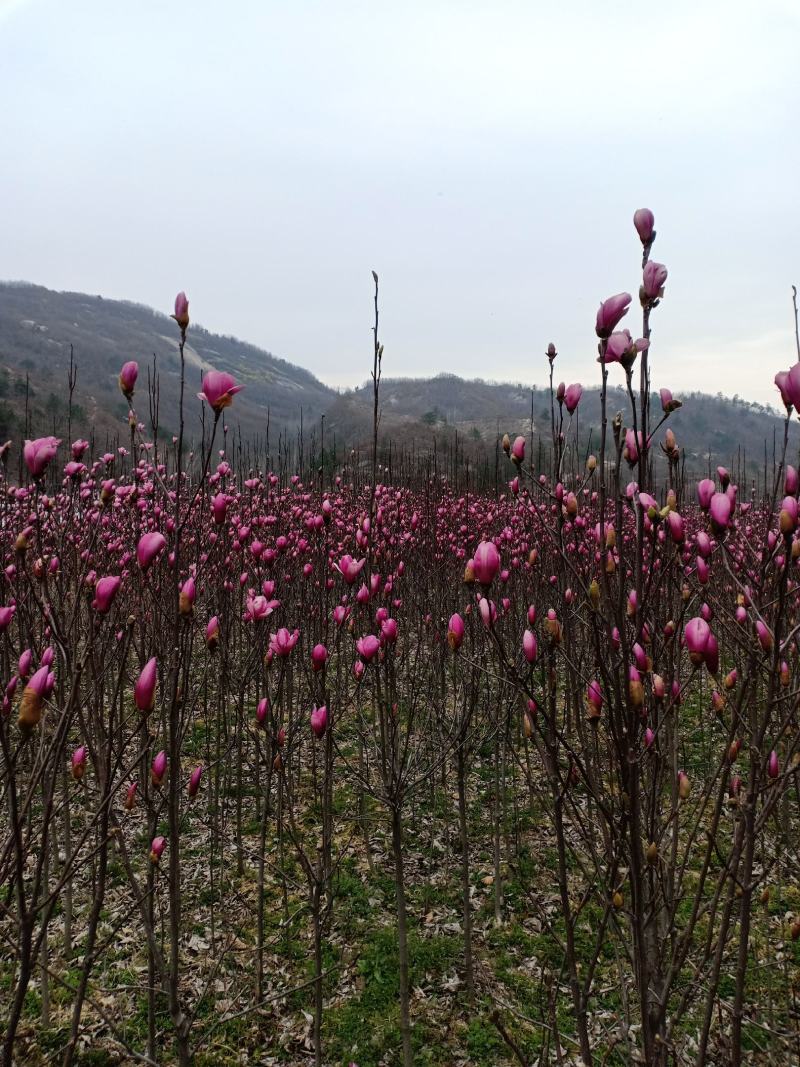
(484, 158)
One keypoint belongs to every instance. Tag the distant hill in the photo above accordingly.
(711, 430)
(38, 326)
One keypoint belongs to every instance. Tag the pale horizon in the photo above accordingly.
(266, 162)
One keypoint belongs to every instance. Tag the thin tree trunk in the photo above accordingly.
(316, 904)
(469, 978)
(402, 935)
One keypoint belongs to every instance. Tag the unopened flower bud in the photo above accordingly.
(684, 785)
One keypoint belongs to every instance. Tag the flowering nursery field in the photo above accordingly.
(298, 766)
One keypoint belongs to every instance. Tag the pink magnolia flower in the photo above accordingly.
(319, 657)
(262, 710)
(181, 313)
(792, 385)
(78, 448)
(24, 664)
(621, 348)
(282, 643)
(149, 547)
(696, 634)
(259, 608)
(194, 781)
(668, 404)
(649, 505)
(157, 848)
(610, 313)
(127, 378)
(6, 615)
(530, 647)
(654, 278)
(158, 768)
(455, 632)
(219, 507)
(618, 345)
(219, 389)
(594, 698)
(368, 647)
(644, 221)
(720, 510)
(676, 527)
(764, 635)
(104, 593)
(572, 396)
(319, 721)
(37, 454)
(705, 491)
(212, 633)
(144, 691)
(633, 444)
(518, 449)
(78, 763)
(788, 515)
(350, 568)
(33, 698)
(187, 597)
(486, 562)
(782, 382)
